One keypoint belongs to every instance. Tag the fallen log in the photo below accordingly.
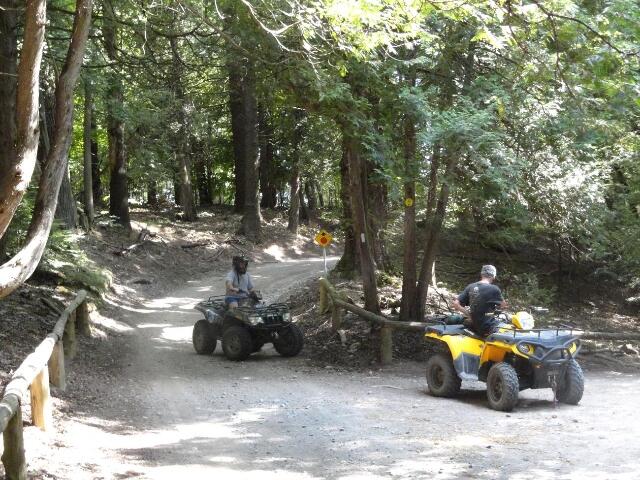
(195, 245)
(380, 320)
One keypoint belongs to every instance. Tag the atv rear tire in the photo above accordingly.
(290, 341)
(502, 387)
(204, 337)
(237, 343)
(442, 378)
(570, 390)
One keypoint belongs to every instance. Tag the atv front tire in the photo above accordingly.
(237, 343)
(502, 387)
(570, 390)
(442, 379)
(290, 341)
(204, 337)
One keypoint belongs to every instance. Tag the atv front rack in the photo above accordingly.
(547, 344)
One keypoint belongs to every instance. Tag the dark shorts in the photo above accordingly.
(233, 298)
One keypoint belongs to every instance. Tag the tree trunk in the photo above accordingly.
(319, 190)
(14, 183)
(268, 190)
(67, 209)
(294, 182)
(118, 183)
(310, 191)
(357, 193)
(433, 237)
(187, 200)
(8, 81)
(96, 181)
(238, 128)
(408, 304)
(294, 195)
(349, 264)
(203, 179)
(251, 217)
(8, 77)
(304, 210)
(23, 264)
(152, 194)
(87, 144)
(376, 208)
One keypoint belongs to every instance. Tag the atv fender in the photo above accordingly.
(465, 352)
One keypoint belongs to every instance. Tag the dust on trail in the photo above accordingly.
(171, 414)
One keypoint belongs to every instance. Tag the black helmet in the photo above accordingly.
(240, 264)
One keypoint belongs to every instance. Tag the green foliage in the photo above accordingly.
(65, 258)
(537, 103)
(525, 290)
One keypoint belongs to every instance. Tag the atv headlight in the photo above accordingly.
(525, 349)
(255, 319)
(286, 316)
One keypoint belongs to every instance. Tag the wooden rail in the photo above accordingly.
(45, 365)
(330, 299)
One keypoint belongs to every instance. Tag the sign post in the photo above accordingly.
(323, 238)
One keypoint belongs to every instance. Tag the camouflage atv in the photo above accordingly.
(245, 329)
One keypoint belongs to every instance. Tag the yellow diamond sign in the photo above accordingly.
(323, 238)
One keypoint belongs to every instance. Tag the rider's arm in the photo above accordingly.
(458, 306)
(250, 285)
(462, 301)
(230, 287)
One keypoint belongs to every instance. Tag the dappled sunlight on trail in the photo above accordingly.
(173, 414)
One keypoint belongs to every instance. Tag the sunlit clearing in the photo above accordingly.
(176, 334)
(110, 323)
(253, 414)
(222, 459)
(276, 251)
(173, 302)
(153, 325)
(434, 466)
(127, 307)
(236, 472)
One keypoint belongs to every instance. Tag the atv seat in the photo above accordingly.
(441, 329)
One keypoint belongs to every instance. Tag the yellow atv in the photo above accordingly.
(514, 358)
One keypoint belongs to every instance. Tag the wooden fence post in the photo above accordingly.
(84, 325)
(336, 318)
(386, 345)
(324, 300)
(57, 374)
(69, 337)
(13, 459)
(41, 401)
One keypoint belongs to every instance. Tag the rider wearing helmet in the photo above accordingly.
(238, 282)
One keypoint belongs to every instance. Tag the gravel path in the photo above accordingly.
(163, 412)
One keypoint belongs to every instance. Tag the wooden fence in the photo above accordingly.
(330, 299)
(45, 365)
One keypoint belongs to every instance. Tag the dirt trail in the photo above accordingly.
(171, 414)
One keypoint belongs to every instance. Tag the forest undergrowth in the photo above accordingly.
(120, 268)
(578, 295)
